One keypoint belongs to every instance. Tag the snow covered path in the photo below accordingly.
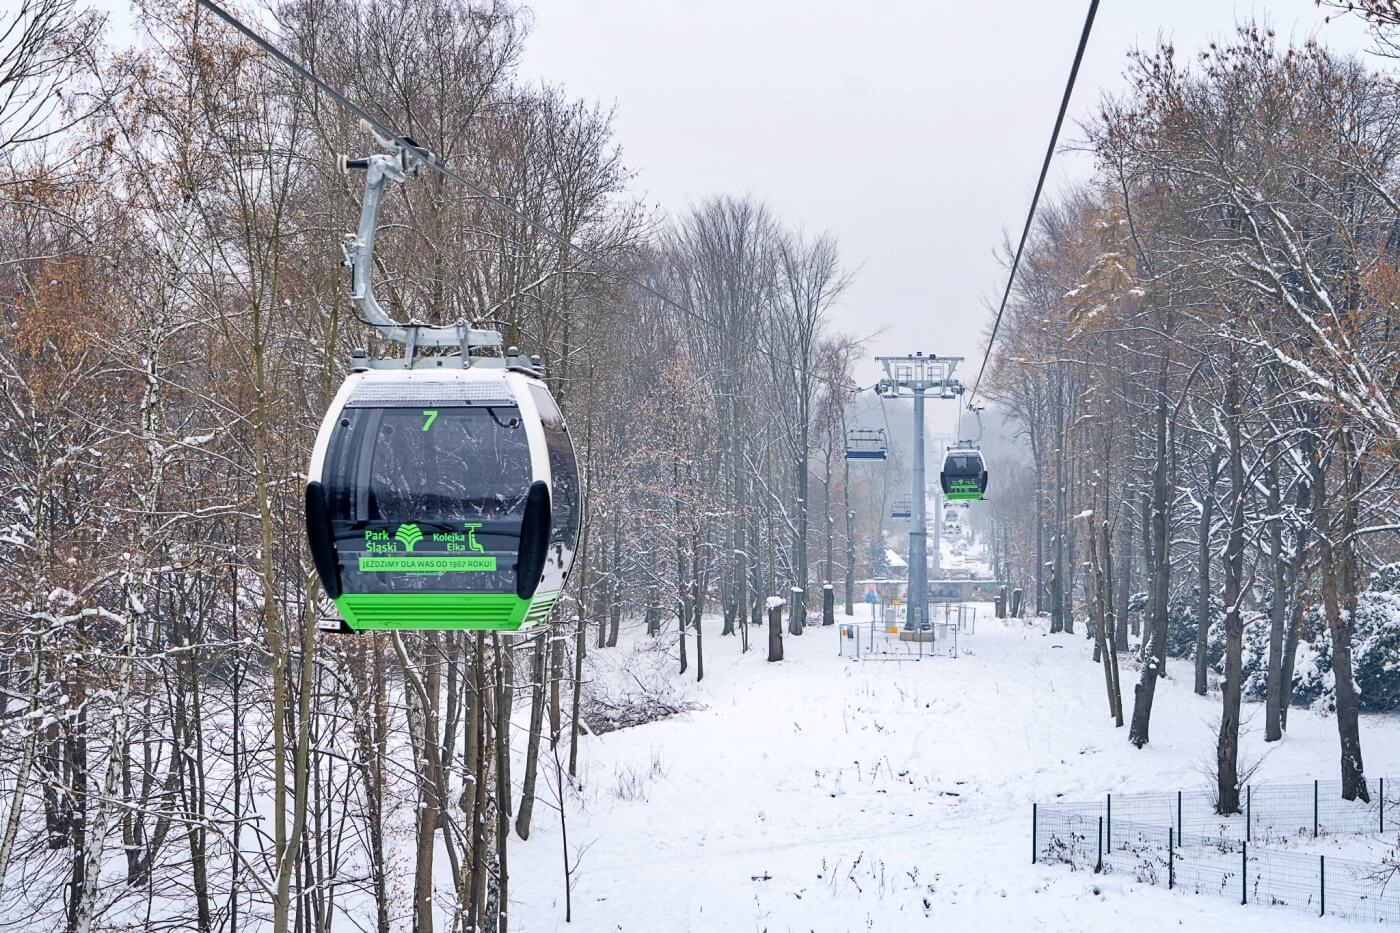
(821, 794)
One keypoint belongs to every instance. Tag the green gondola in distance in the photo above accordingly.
(964, 475)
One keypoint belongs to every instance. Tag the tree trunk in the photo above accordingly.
(1334, 568)
(26, 762)
(1161, 532)
(556, 678)
(505, 706)
(532, 748)
(1103, 622)
(505, 694)
(1298, 575)
(1039, 537)
(1155, 643)
(471, 889)
(422, 700)
(1203, 573)
(580, 648)
(732, 566)
(598, 589)
(615, 588)
(1278, 609)
(699, 649)
(682, 608)
(376, 745)
(830, 557)
(1058, 622)
(797, 614)
(1228, 739)
(1113, 660)
(697, 608)
(1125, 586)
(1144, 615)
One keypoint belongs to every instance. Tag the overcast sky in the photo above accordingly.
(912, 129)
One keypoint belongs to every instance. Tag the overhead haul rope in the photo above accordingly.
(1035, 199)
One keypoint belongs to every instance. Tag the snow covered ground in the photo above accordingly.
(823, 794)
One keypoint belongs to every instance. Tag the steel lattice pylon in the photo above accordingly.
(919, 377)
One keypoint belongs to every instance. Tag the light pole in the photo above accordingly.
(917, 377)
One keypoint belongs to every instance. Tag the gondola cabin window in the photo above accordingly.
(428, 499)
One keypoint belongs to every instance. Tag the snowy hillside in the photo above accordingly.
(830, 795)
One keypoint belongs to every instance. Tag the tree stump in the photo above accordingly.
(775, 629)
(797, 611)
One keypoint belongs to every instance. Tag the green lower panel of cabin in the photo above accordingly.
(973, 496)
(477, 612)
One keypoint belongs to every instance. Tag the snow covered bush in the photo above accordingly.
(630, 686)
(1254, 653)
(1375, 649)
(1254, 659)
(1376, 642)
(1181, 625)
(1312, 675)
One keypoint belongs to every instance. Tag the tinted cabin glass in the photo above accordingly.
(564, 491)
(428, 500)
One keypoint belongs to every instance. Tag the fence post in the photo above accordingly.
(1248, 812)
(1322, 884)
(1099, 867)
(1108, 824)
(1314, 809)
(1244, 873)
(1382, 804)
(1035, 824)
(1171, 858)
(1178, 814)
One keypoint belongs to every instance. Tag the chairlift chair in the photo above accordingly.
(867, 444)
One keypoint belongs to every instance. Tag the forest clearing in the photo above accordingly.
(891, 795)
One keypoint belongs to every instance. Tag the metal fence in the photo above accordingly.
(1177, 841)
(889, 639)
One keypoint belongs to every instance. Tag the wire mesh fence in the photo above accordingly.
(1178, 841)
(890, 639)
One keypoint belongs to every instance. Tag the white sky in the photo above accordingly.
(913, 129)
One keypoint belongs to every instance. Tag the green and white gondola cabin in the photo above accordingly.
(443, 499)
(964, 475)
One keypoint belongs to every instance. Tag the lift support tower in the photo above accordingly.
(919, 377)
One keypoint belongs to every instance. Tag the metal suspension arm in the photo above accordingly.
(395, 165)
